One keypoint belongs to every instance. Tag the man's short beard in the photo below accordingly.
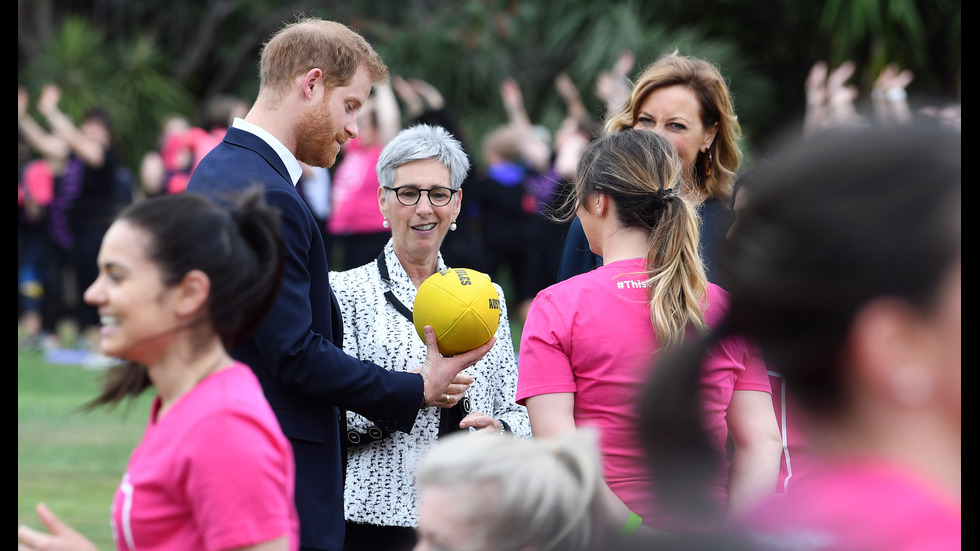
(315, 135)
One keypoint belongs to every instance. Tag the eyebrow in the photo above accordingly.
(680, 118)
(113, 266)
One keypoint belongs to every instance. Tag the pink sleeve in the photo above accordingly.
(750, 369)
(755, 376)
(234, 447)
(543, 365)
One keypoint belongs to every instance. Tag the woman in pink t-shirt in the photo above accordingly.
(182, 280)
(844, 266)
(590, 342)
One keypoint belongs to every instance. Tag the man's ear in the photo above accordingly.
(311, 82)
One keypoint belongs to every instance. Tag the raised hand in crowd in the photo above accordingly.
(889, 98)
(829, 98)
(613, 87)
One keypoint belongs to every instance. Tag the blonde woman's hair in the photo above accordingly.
(711, 89)
(641, 173)
(542, 494)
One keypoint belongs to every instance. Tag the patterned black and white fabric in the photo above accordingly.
(380, 474)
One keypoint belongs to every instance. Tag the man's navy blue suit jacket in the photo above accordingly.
(297, 352)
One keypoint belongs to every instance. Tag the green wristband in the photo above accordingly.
(632, 525)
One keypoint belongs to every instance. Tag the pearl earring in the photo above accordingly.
(452, 226)
(385, 223)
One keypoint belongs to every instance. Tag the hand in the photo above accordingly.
(840, 75)
(605, 85)
(624, 63)
(50, 96)
(889, 97)
(409, 96)
(815, 85)
(613, 86)
(566, 88)
(510, 92)
(455, 391)
(429, 93)
(439, 372)
(61, 537)
(481, 421)
(841, 96)
(22, 102)
(893, 79)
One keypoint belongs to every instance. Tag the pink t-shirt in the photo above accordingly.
(591, 335)
(215, 473)
(354, 191)
(795, 461)
(859, 505)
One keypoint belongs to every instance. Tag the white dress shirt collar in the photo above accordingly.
(288, 159)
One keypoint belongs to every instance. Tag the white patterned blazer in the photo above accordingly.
(380, 488)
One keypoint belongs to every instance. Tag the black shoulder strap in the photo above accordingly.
(389, 294)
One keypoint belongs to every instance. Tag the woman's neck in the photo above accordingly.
(418, 268)
(624, 243)
(183, 368)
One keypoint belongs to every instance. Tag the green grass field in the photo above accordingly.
(70, 460)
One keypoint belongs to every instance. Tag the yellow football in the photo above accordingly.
(461, 305)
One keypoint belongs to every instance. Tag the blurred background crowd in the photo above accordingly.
(119, 101)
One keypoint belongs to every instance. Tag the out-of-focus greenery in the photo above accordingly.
(70, 460)
(145, 60)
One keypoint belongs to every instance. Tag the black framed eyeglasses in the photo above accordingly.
(409, 195)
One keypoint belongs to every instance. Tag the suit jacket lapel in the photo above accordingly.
(241, 138)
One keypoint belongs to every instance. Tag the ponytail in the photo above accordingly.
(675, 272)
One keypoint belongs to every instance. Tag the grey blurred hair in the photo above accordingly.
(420, 142)
(541, 493)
